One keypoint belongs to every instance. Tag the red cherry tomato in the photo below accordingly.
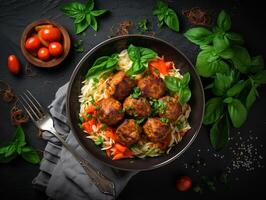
(50, 34)
(183, 183)
(13, 64)
(55, 49)
(43, 53)
(33, 43)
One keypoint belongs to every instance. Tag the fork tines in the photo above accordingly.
(31, 105)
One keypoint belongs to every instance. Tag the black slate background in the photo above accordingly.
(248, 19)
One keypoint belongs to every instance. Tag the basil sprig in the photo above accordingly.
(102, 65)
(140, 57)
(179, 86)
(83, 15)
(235, 74)
(17, 146)
(166, 15)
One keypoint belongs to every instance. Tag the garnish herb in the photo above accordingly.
(136, 93)
(140, 57)
(17, 146)
(164, 120)
(83, 14)
(102, 65)
(157, 106)
(99, 140)
(235, 74)
(179, 86)
(81, 119)
(166, 15)
(142, 25)
(139, 121)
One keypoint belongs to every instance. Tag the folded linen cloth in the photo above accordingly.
(61, 176)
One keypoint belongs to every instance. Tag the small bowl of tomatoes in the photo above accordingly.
(45, 43)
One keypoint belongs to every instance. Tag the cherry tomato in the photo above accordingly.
(33, 43)
(55, 49)
(50, 34)
(13, 64)
(183, 183)
(43, 53)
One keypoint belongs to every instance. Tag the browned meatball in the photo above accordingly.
(110, 111)
(155, 130)
(128, 132)
(152, 87)
(120, 86)
(170, 109)
(139, 107)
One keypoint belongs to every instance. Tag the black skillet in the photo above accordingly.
(115, 45)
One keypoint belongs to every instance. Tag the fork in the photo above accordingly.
(44, 121)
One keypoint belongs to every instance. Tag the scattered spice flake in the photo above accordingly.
(122, 28)
(18, 116)
(7, 93)
(197, 16)
(28, 70)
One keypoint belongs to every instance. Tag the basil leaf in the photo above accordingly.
(237, 113)
(228, 100)
(94, 24)
(241, 59)
(206, 67)
(224, 21)
(140, 57)
(257, 64)
(219, 133)
(72, 9)
(172, 83)
(4, 159)
(82, 26)
(184, 95)
(260, 78)
(236, 89)
(30, 155)
(251, 98)
(166, 15)
(221, 84)
(97, 13)
(199, 36)
(186, 78)
(171, 20)
(228, 53)
(102, 65)
(214, 109)
(79, 18)
(19, 139)
(89, 5)
(235, 38)
(220, 43)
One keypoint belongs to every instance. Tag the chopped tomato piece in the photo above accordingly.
(87, 127)
(120, 147)
(91, 110)
(159, 66)
(118, 156)
(111, 134)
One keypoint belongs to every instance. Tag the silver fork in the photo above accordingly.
(43, 120)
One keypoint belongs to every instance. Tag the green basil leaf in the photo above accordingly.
(235, 38)
(214, 109)
(228, 53)
(88, 18)
(73, 9)
(160, 8)
(251, 98)
(228, 100)
(30, 155)
(220, 43)
(257, 64)
(171, 20)
(207, 68)
(4, 159)
(260, 78)
(98, 12)
(241, 59)
(199, 36)
(219, 133)
(146, 54)
(8, 150)
(79, 18)
(94, 24)
(172, 83)
(133, 52)
(82, 26)
(221, 84)
(237, 113)
(184, 95)
(224, 21)
(236, 89)
(19, 139)
(186, 78)
(89, 5)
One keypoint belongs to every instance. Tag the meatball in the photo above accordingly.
(128, 132)
(155, 130)
(120, 86)
(171, 108)
(139, 107)
(110, 111)
(152, 87)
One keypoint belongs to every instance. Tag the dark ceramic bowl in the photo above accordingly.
(115, 45)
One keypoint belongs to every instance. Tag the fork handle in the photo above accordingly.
(105, 185)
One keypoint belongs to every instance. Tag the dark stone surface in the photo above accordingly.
(248, 19)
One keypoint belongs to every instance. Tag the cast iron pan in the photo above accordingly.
(115, 45)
